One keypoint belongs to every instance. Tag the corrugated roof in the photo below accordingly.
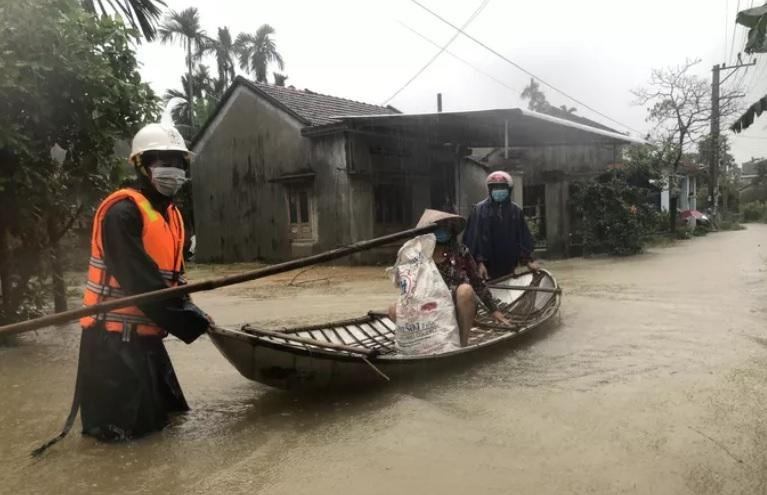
(486, 128)
(318, 109)
(562, 114)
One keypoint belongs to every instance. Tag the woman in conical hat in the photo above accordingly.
(459, 271)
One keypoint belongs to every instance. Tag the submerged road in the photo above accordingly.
(654, 381)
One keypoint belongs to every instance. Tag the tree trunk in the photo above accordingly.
(189, 90)
(672, 212)
(57, 269)
(5, 271)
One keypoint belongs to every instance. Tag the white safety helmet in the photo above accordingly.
(499, 178)
(157, 137)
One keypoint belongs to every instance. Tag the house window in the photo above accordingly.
(390, 203)
(300, 213)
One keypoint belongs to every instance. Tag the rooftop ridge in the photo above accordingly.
(307, 91)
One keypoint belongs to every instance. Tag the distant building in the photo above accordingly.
(687, 181)
(545, 173)
(753, 186)
(750, 170)
(280, 173)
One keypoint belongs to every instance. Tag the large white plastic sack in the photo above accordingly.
(425, 312)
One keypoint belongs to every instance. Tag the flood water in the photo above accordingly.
(654, 381)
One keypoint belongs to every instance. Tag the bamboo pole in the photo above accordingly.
(553, 290)
(205, 285)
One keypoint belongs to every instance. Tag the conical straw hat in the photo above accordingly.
(435, 216)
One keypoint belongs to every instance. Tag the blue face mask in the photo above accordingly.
(443, 235)
(499, 195)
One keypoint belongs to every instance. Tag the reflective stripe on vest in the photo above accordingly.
(163, 241)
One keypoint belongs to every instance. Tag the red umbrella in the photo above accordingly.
(685, 214)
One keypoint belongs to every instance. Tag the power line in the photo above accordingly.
(734, 30)
(749, 86)
(742, 77)
(475, 40)
(738, 83)
(726, 27)
(502, 83)
(755, 84)
(439, 52)
(743, 43)
(743, 36)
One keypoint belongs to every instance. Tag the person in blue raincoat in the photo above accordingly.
(497, 233)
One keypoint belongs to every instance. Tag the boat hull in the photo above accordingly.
(290, 366)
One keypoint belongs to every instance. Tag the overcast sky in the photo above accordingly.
(594, 50)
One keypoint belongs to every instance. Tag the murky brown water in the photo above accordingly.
(654, 382)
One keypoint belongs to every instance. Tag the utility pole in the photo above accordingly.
(713, 180)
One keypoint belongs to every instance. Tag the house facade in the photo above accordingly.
(545, 174)
(752, 169)
(688, 190)
(281, 173)
(274, 179)
(752, 183)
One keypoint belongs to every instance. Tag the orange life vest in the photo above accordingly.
(163, 242)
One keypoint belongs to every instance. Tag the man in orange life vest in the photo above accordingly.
(126, 383)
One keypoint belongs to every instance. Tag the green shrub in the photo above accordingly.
(614, 216)
(755, 211)
(730, 221)
(730, 225)
(700, 231)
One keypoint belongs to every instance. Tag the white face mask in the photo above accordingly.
(168, 180)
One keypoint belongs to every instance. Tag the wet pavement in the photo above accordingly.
(653, 381)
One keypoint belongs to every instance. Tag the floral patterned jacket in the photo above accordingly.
(458, 267)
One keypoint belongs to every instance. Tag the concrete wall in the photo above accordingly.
(577, 161)
(687, 191)
(239, 214)
(415, 168)
(557, 218)
(331, 191)
(665, 200)
(555, 167)
(471, 186)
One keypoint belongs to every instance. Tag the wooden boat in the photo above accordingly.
(363, 351)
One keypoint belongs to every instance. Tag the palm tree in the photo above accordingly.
(206, 92)
(180, 112)
(141, 14)
(205, 85)
(223, 48)
(257, 51)
(184, 28)
(279, 79)
(537, 98)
